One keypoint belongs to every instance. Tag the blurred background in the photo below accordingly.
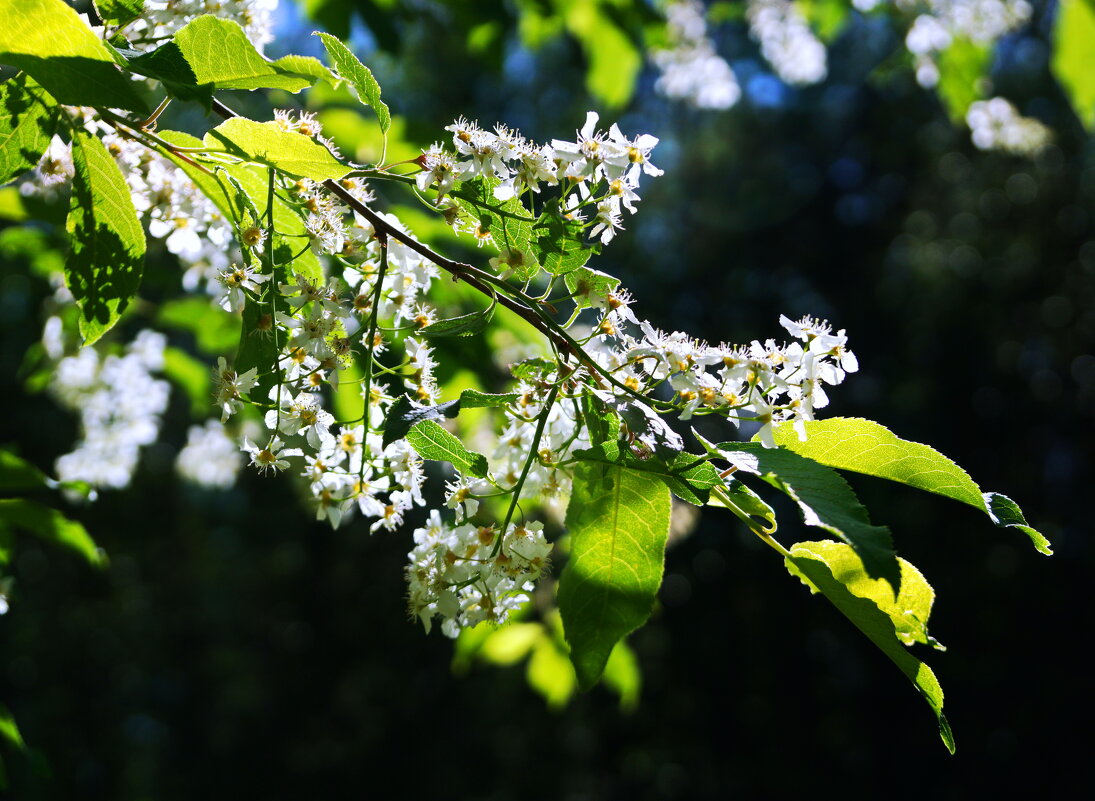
(236, 648)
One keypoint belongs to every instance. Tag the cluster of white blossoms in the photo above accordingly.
(997, 125)
(787, 42)
(119, 404)
(597, 173)
(691, 70)
(162, 18)
(210, 458)
(939, 22)
(465, 575)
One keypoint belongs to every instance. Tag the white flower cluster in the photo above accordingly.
(691, 69)
(595, 170)
(940, 22)
(162, 18)
(997, 125)
(210, 458)
(465, 576)
(119, 403)
(787, 42)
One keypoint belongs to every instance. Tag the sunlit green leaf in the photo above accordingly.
(1073, 55)
(687, 476)
(619, 522)
(266, 143)
(833, 569)
(623, 676)
(825, 499)
(963, 70)
(431, 441)
(17, 475)
(48, 39)
(550, 673)
(118, 12)
(9, 731)
(357, 75)
(865, 446)
(403, 414)
(27, 122)
(614, 60)
(103, 271)
(587, 284)
(50, 525)
(465, 325)
(474, 399)
(192, 376)
(215, 331)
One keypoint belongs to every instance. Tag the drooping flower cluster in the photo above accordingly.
(787, 42)
(465, 575)
(997, 125)
(119, 403)
(691, 70)
(162, 18)
(597, 171)
(210, 458)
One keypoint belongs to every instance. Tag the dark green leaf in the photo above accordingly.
(890, 622)
(48, 39)
(691, 478)
(17, 475)
(602, 423)
(27, 121)
(405, 413)
(825, 499)
(474, 399)
(867, 447)
(619, 522)
(532, 369)
(215, 331)
(358, 76)
(433, 442)
(103, 271)
(118, 12)
(465, 325)
(51, 525)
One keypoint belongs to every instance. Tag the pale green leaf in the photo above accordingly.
(614, 60)
(103, 271)
(50, 525)
(825, 499)
(351, 70)
(623, 676)
(215, 331)
(1074, 54)
(833, 569)
(474, 399)
(266, 143)
(510, 643)
(27, 122)
(619, 522)
(550, 673)
(588, 285)
(9, 730)
(963, 71)
(431, 441)
(864, 446)
(48, 39)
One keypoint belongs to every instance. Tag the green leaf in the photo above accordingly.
(103, 271)
(833, 569)
(1073, 55)
(622, 675)
(433, 442)
(864, 446)
(586, 284)
(826, 17)
(532, 368)
(18, 475)
(118, 12)
(48, 39)
(508, 222)
(691, 478)
(825, 499)
(358, 76)
(9, 730)
(209, 53)
(550, 673)
(474, 399)
(266, 143)
(619, 522)
(192, 376)
(602, 424)
(51, 525)
(27, 121)
(465, 325)
(215, 331)
(963, 70)
(746, 504)
(614, 60)
(405, 414)
(560, 244)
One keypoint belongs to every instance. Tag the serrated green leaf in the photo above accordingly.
(864, 446)
(404, 414)
(357, 75)
(27, 121)
(619, 522)
(825, 499)
(266, 143)
(963, 69)
(51, 525)
(833, 569)
(474, 399)
(48, 39)
(118, 12)
(431, 441)
(103, 271)
(18, 475)
(691, 478)
(465, 325)
(210, 53)
(586, 284)
(508, 222)
(1073, 55)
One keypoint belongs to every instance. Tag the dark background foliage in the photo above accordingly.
(235, 649)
